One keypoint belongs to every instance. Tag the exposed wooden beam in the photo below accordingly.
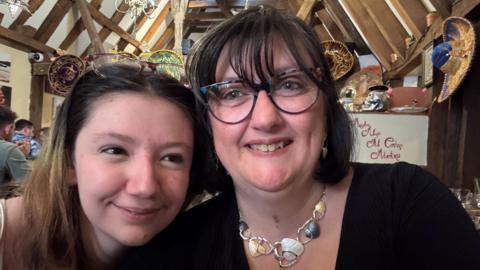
(86, 15)
(116, 18)
(201, 4)
(386, 22)
(77, 29)
(22, 42)
(204, 16)
(104, 32)
(103, 20)
(52, 20)
(340, 17)
(414, 58)
(322, 33)
(156, 24)
(329, 26)
(461, 8)
(224, 7)
(413, 13)
(24, 15)
(165, 38)
(305, 9)
(370, 31)
(443, 7)
(134, 27)
(281, 4)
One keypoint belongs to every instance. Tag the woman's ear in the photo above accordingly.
(71, 176)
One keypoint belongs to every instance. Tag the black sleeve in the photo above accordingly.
(433, 230)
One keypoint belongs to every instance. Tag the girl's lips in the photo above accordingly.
(137, 210)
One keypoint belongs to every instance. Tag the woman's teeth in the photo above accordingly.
(268, 147)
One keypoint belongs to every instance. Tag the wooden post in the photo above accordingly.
(97, 45)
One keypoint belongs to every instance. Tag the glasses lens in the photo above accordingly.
(230, 102)
(100, 61)
(294, 91)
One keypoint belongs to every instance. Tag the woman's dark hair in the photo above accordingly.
(250, 37)
(52, 207)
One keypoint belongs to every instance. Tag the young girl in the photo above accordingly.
(115, 172)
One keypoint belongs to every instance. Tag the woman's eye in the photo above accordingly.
(114, 151)
(173, 158)
(232, 94)
(291, 85)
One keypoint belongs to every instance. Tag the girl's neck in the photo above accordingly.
(102, 252)
(276, 215)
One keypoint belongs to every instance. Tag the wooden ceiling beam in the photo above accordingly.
(305, 9)
(22, 42)
(137, 25)
(105, 32)
(391, 29)
(224, 7)
(77, 29)
(281, 4)
(370, 31)
(24, 15)
(209, 16)
(340, 17)
(53, 19)
(156, 24)
(116, 18)
(443, 7)
(414, 59)
(86, 15)
(329, 25)
(413, 13)
(103, 20)
(165, 38)
(322, 32)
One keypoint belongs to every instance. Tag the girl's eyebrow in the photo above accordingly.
(115, 135)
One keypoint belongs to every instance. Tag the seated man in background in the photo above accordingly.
(13, 164)
(24, 132)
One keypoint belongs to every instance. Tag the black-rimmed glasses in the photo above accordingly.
(231, 102)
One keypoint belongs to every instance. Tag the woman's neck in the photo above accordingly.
(276, 215)
(102, 252)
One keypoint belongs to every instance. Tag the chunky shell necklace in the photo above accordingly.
(288, 250)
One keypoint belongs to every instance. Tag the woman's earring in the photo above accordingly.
(324, 152)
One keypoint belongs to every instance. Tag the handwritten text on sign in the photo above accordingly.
(389, 138)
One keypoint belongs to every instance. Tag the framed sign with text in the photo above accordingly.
(390, 138)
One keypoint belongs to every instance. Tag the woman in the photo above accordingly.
(115, 173)
(289, 197)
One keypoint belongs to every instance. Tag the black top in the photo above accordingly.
(396, 217)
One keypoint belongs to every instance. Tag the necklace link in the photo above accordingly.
(288, 250)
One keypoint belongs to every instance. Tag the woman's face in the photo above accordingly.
(270, 150)
(132, 161)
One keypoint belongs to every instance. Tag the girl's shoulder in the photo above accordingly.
(13, 227)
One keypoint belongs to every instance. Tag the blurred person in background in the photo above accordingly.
(13, 164)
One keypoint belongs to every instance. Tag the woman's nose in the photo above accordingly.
(265, 115)
(143, 178)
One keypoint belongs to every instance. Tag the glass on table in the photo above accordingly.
(464, 195)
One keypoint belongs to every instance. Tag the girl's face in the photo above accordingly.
(132, 162)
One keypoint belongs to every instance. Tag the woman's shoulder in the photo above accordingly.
(186, 238)
(394, 183)
(400, 173)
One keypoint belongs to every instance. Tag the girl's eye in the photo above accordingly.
(114, 151)
(173, 158)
